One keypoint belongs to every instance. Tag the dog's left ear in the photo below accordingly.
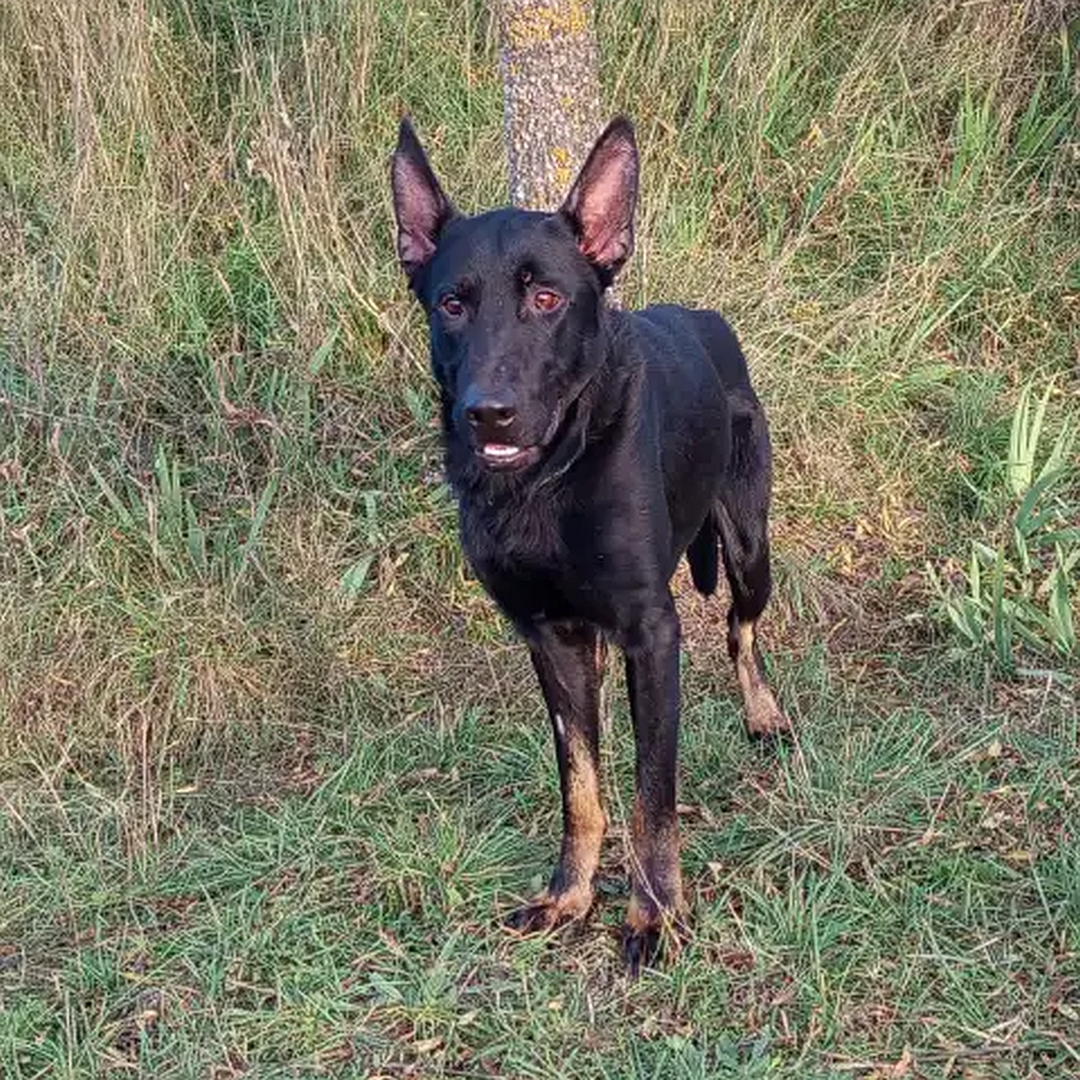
(600, 205)
(420, 206)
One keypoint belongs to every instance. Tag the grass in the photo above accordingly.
(268, 775)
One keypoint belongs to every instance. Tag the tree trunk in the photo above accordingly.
(551, 88)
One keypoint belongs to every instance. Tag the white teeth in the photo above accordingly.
(497, 450)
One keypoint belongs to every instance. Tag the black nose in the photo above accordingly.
(491, 414)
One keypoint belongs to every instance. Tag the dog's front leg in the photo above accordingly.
(652, 675)
(568, 658)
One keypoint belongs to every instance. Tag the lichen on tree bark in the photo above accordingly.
(551, 93)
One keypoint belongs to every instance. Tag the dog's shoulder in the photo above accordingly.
(676, 339)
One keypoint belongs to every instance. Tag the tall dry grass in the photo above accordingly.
(217, 454)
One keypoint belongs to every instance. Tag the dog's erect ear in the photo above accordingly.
(600, 205)
(420, 206)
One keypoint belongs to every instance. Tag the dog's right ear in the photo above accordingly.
(420, 206)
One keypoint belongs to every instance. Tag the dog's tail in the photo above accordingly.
(703, 555)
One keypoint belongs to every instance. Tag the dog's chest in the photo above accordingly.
(536, 560)
(518, 538)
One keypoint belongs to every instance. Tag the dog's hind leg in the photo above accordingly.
(742, 521)
(703, 557)
(568, 658)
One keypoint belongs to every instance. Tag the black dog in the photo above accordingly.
(589, 448)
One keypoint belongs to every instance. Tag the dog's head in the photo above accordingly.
(514, 298)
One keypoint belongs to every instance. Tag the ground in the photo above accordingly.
(272, 768)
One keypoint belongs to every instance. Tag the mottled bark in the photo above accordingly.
(552, 95)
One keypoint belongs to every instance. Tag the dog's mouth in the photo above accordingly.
(507, 456)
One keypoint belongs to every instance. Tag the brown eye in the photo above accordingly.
(545, 300)
(451, 305)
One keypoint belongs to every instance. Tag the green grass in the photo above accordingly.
(271, 767)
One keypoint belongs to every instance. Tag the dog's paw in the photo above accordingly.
(764, 718)
(652, 934)
(534, 918)
(642, 947)
(550, 910)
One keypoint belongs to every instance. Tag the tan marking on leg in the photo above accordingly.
(587, 820)
(582, 839)
(763, 715)
(655, 915)
(653, 902)
(640, 916)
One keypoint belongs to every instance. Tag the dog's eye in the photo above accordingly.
(545, 300)
(452, 305)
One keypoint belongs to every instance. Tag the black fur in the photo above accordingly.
(640, 439)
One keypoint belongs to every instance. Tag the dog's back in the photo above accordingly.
(691, 330)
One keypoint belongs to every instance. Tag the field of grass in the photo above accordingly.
(271, 767)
